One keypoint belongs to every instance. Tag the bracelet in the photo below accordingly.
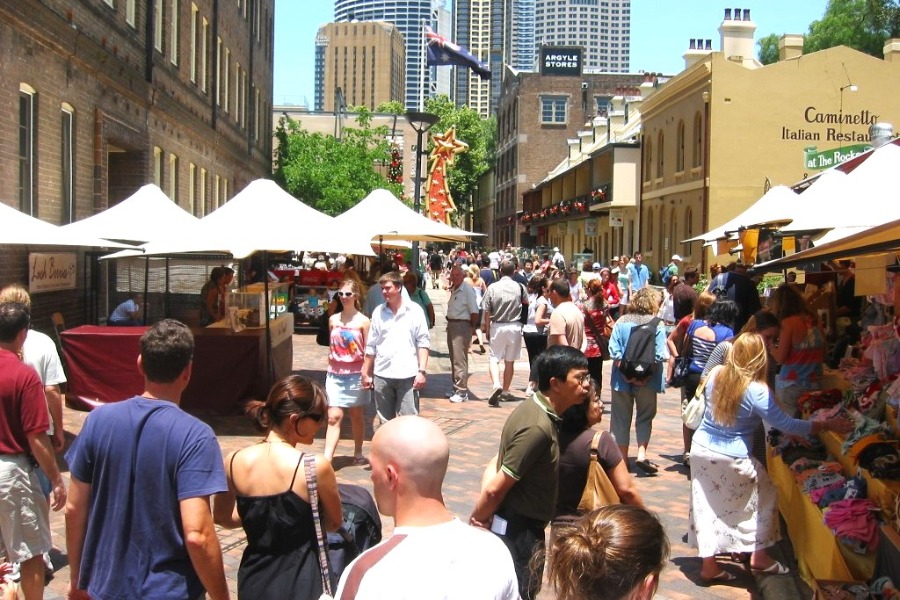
(422, 371)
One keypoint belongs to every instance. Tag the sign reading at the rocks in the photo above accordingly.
(561, 60)
(51, 272)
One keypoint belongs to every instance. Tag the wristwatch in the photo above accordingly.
(422, 371)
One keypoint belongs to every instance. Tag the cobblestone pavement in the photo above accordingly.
(473, 429)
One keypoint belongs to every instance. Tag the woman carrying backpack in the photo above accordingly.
(637, 373)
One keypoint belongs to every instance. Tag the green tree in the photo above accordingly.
(394, 107)
(768, 49)
(478, 133)
(860, 24)
(330, 174)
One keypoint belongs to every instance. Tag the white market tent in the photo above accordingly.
(262, 217)
(772, 208)
(19, 228)
(865, 197)
(381, 216)
(147, 215)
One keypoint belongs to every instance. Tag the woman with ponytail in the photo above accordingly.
(733, 501)
(613, 553)
(268, 496)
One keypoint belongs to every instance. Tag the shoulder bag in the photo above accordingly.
(309, 468)
(601, 338)
(682, 361)
(692, 413)
(599, 490)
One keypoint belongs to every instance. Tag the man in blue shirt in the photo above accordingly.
(639, 274)
(138, 522)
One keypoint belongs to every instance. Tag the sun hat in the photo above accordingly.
(676, 257)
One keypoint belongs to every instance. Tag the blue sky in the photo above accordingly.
(660, 30)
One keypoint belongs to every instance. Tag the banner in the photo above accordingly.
(51, 272)
(817, 160)
(616, 218)
(590, 228)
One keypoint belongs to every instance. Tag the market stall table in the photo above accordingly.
(228, 369)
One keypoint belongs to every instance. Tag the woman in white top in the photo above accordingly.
(473, 274)
(535, 331)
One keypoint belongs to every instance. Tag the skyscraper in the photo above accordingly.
(409, 16)
(601, 27)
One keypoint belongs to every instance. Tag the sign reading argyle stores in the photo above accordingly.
(561, 60)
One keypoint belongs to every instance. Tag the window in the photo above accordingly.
(679, 150)
(648, 160)
(174, 32)
(697, 140)
(660, 152)
(603, 103)
(173, 178)
(201, 198)
(257, 116)
(243, 98)
(192, 188)
(688, 231)
(158, 166)
(204, 54)
(130, 11)
(224, 190)
(67, 163)
(219, 57)
(226, 69)
(195, 27)
(217, 186)
(650, 230)
(110, 3)
(27, 106)
(553, 110)
(237, 94)
(158, 25)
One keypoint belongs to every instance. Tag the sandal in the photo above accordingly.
(646, 466)
(723, 577)
(776, 568)
(360, 460)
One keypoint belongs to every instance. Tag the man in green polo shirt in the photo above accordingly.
(518, 502)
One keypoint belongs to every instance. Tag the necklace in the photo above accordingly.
(278, 441)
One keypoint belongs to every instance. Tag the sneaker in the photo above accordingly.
(15, 573)
(508, 397)
(687, 460)
(457, 397)
(494, 400)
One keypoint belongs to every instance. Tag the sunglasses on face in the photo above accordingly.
(345, 294)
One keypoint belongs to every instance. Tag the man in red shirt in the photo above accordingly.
(24, 420)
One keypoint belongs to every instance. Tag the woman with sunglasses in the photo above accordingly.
(348, 332)
(268, 496)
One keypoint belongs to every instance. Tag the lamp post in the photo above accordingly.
(420, 122)
(852, 88)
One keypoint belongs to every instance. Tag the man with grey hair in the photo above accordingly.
(431, 554)
(502, 306)
(462, 319)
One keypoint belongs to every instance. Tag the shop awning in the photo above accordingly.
(19, 228)
(775, 207)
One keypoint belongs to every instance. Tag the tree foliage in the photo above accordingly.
(394, 107)
(330, 174)
(478, 133)
(768, 49)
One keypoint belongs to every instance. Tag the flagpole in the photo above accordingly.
(422, 68)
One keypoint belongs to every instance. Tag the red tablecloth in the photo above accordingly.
(228, 367)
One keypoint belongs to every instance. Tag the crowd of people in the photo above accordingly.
(149, 483)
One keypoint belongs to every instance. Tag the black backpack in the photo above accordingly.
(360, 530)
(638, 362)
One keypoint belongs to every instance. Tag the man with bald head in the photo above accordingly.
(431, 554)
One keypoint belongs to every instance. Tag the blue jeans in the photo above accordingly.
(395, 397)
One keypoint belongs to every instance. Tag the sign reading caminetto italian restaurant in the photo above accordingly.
(831, 128)
(51, 272)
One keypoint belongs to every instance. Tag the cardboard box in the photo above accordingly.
(821, 585)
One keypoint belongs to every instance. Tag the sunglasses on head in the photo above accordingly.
(345, 294)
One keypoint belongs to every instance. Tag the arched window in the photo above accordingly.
(688, 230)
(679, 158)
(660, 152)
(673, 234)
(697, 140)
(649, 243)
(648, 160)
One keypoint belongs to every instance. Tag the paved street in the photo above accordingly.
(473, 429)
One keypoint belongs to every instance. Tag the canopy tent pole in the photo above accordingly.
(270, 368)
(146, 286)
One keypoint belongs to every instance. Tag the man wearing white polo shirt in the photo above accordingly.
(396, 351)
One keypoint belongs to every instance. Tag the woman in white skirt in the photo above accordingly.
(349, 330)
(733, 501)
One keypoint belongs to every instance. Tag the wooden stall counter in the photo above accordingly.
(228, 369)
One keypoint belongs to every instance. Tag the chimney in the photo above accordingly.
(599, 128)
(790, 45)
(574, 150)
(737, 37)
(698, 49)
(892, 50)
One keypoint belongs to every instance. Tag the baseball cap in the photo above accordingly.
(676, 257)
(596, 266)
(615, 259)
(556, 249)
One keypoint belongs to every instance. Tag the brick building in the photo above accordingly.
(104, 96)
(537, 114)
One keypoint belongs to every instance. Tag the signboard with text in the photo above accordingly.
(590, 228)
(51, 272)
(561, 60)
(616, 218)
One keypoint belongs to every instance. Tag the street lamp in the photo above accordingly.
(852, 88)
(420, 122)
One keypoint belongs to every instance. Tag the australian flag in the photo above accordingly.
(442, 51)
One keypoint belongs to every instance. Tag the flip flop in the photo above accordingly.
(723, 577)
(360, 460)
(776, 568)
(646, 466)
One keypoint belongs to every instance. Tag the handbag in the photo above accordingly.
(309, 467)
(601, 339)
(598, 490)
(692, 413)
(523, 316)
(682, 362)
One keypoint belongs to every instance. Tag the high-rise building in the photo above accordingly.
(499, 33)
(602, 28)
(365, 60)
(409, 16)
